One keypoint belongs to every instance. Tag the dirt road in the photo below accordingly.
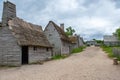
(91, 64)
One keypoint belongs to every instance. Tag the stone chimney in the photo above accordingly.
(75, 35)
(62, 26)
(9, 12)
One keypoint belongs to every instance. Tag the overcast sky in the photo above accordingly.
(90, 18)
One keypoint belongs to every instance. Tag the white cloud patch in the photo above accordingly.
(90, 18)
(63, 6)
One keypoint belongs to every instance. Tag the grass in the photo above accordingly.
(118, 58)
(77, 50)
(56, 57)
(108, 50)
(7, 66)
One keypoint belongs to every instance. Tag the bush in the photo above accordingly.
(76, 50)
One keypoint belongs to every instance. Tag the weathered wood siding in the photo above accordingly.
(10, 52)
(112, 43)
(40, 54)
(54, 38)
(73, 46)
(65, 48)
(111, 40)
(81, 42)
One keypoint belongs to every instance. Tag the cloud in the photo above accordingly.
(90, 18)
(63, 6)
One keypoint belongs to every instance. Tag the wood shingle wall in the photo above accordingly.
(10, 52)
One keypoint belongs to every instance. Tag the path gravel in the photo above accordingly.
(91, 64)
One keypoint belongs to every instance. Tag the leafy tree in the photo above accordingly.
(94, 39)
(117, 33)
(99, 41)
(69, 31)
(114, 34)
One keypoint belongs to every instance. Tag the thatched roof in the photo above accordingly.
(28, 34)
(73, 39)
(60, 31)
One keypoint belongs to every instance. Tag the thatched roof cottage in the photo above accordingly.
(76, 41)
(21, 42)
(58, 38)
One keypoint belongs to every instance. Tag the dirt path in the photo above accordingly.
(91, 64)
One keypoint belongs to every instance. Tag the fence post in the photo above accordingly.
(115, 61)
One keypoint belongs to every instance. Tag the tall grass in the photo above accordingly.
(57, 57)
(77, 50)
(109, 51)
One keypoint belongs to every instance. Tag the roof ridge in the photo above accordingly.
(28, 34)
(60, 31)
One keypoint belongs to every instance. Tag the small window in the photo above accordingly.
(50, 34)
(47, 49)
(63, 44)
(46, 29)
(7, 24)
(35, 48)
(53, 45)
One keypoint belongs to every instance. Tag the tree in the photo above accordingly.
(99, 41)
(114, 34)
(94, 39)
(118, 33)
(69, 31)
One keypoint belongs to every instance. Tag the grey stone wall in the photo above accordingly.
(10, 52)
(54, 38)
(40, 54)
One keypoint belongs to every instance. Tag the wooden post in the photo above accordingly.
(115, 61)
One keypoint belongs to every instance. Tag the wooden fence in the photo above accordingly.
(116, 52)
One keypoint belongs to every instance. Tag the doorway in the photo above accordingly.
(24, 54)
